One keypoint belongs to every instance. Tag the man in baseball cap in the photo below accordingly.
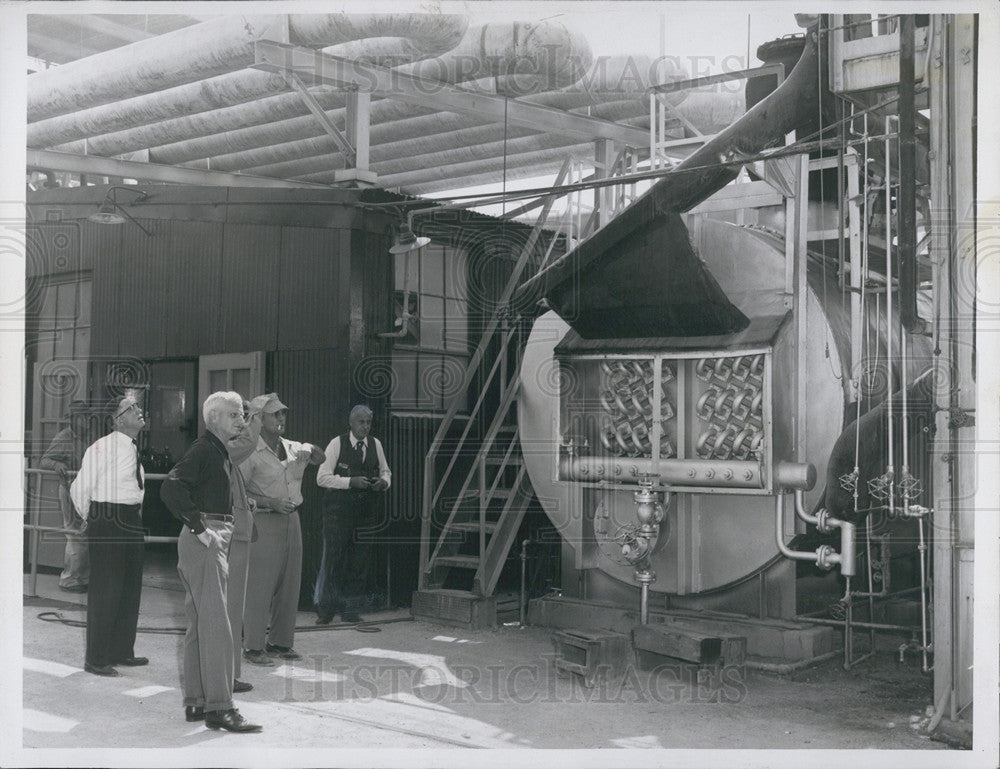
(273, 476)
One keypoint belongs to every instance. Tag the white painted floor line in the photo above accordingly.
(37, 721)
(149, 691)
(50, 668)
(302, 674)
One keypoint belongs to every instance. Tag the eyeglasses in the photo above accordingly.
(123, 411)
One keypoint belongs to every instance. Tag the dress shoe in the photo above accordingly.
(257, 657)
(133, 662)
(351, 616)
(324, 619)
(285, 652)
(73, 588)
(241, 686)
(101, 670)
(194, 713)
(230, 720)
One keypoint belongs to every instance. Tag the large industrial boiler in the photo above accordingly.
(682, 397)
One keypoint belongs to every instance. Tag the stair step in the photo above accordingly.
(498, 493)
(459, 561)
(474, 526)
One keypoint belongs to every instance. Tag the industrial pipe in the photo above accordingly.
(213, 48)
(523, 603)
(730, 474)
(825, 557)
(390, 120)
(906, 201)
(825, 524)
(792, 105)
(547, 59)
(433, 142)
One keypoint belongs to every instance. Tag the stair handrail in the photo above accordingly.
(500, 313)
(487, 442)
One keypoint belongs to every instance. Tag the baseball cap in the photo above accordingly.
(269, 403)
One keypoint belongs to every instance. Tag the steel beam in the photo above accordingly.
(92, 164)
(320, 114)
(316, 67)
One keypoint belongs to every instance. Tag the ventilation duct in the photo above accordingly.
(584, 282)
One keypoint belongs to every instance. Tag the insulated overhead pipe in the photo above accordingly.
(542, 59)
(213, 48)
(410, 138)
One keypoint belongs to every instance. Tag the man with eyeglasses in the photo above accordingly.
(107, 492)
(199, 491)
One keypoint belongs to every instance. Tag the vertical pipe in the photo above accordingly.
(922, 549)
(871, 586)
(523, 604)
(888, 310)
(907, 199)
(36, 503)
(848, 639)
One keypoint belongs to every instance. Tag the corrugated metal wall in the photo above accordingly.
(407, 442)
(200, 288)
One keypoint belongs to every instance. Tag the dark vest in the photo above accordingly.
(349, 463)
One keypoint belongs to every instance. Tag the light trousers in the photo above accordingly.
(208, 644)
(274, 581)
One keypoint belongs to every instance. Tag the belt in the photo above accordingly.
(219, 517)
(277, 512)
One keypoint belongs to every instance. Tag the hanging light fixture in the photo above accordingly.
(407, 241)
(112, 212)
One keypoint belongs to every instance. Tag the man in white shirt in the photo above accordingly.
(107, 492)
(273, 475)
(354, 474)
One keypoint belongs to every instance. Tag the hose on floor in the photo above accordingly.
(361, 627)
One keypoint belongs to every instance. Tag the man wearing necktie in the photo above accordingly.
(354, 474)
(107, 492)
(199, 491)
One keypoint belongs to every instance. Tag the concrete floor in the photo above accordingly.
(415, 685)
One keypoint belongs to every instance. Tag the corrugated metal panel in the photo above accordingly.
(192, 254)
(313, 385)
(371, 313)
(141, 303)
(308, 314)
(251, 257)
(407, 442)
(104, 243)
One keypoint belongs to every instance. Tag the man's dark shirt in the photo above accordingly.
(199, 483)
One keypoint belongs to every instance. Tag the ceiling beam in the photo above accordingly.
(152, 172)
(102, 25)
(316, 67)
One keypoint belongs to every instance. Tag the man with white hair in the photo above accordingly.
(198, 490)
(107, 493)
(354, 474)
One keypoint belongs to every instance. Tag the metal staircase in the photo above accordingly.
(484, 516)
(473, 508)
(465, 536)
